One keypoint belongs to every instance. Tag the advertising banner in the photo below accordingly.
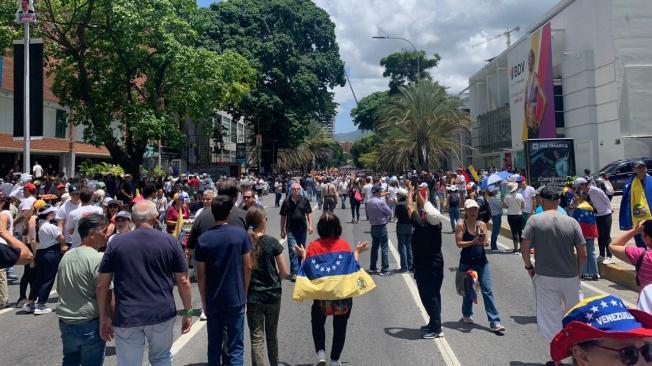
(549, 161)
(241, 153)
(531, 99)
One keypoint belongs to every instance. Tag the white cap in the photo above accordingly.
(579, 181)
(402, 192)
(470, 204)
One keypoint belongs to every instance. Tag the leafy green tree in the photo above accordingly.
(365, 114)
(364, 146)
(9, 30)
(401, 67)
(316, 149)
(419, 126)
(131, 71)
(292, 45)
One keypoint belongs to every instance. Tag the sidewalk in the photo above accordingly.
(619, 272)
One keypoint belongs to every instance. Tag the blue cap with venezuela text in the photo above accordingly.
(598, 317)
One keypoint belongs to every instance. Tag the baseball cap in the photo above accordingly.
(423, 185)
(579, 181)
(639, 163)
(61, 186)
(376, 189)
(30, 187)
(38, 204)
(47, 209)
(550, 193)
(73, 189)
(402, 192)
(512, 186)
(603, 316)
(470, 204)
(124, 214)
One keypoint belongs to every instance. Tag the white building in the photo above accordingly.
(602, 77)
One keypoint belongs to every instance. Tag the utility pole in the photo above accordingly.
(26, 15)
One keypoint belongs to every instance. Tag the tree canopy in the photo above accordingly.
(401, 67)
(365, 115)
(9, 30)
(292, 45)
(131, 72)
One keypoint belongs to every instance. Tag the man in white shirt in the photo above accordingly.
(344, 191)
(529, 199)
(367, 195)
(72, 220)
(602, 205)
(67, 207)
(37, 170)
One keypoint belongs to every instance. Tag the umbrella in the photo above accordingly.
(497, 178)
(483, 183)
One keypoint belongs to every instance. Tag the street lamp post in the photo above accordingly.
(414, 48)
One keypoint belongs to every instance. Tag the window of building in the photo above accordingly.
(234, 132)
(61, 124)
(558, 93)
(241, 134)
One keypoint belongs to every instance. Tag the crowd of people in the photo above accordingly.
(116, 247)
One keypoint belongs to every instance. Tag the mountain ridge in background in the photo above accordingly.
(349, 136)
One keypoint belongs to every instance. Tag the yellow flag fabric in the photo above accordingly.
(639, 205)
(474, 174)
(179, 225)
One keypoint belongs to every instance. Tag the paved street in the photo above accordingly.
(383, 328)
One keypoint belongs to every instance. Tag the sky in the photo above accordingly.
(447, 27)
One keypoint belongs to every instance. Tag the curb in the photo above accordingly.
(612, 272)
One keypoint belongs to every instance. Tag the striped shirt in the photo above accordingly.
(645, 272)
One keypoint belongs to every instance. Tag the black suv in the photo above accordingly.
(620, 171)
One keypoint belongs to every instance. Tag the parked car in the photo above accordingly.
(620, 171)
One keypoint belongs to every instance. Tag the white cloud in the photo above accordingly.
(447, 27)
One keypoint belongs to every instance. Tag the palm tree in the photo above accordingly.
(420, 125)
(315, 146)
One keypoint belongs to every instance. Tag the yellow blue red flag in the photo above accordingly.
(331, 276)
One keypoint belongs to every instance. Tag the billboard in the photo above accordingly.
(549, 161)
(35, 88)
(531, 99)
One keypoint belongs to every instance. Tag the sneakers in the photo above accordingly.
(432, 335)
(373, 271)
(202, 316)
(608, 260)
(497, 327)
(321, 358)
(335, 363)
(467, 320)
(20, 303)
(41, 309)
(29, 307)
(385, 273)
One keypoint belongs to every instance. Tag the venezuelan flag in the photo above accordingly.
(585, 216)
(331, 276)
(636, 203)
(473, 174)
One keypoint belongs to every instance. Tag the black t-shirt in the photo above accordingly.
(265, 286)
(295, 213)
(205, 221)
(426, 244)
(402, 213)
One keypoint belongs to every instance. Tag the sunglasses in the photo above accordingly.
(248, 197)
(629, 355)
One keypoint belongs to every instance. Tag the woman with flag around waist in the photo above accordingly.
(331, 276)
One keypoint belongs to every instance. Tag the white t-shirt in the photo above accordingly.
(38, 171)
(392, 193)
(48, 235)
(72, 222)
(367, 191)
(62, 214)
(513, 202)
(528, 195)
(10, 220)
(344, 188)
(26, 203)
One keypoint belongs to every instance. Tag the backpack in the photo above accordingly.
(454, 197)
(357, 196)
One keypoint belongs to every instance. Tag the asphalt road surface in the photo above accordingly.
(383, 329)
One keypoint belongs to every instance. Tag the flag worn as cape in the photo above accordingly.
(179, 225)
(331, 276)
(585, 216)
(626, 218)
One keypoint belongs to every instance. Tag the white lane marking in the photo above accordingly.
(442, 344)
(12, 307)
(185, 338)
(314, 208)
(582, 283)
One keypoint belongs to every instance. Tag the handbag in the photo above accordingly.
(357, 196)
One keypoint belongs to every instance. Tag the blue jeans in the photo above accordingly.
(484, 278)
(404, 236)
(319, 200)
(82, 344)
(454, 213)
(442, 198)
(496, 221)
(379, 240)
(277, 201)
(591, 266)
(343, 197)
(295, 238)
(130, 344)
(233, 320)
(309, 194)
(429, 282)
